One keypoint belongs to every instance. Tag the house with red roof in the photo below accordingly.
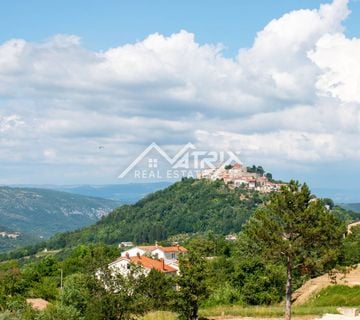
(145, 264)
(169, 254)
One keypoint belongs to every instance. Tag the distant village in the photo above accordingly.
(238, 175)
(9, 235)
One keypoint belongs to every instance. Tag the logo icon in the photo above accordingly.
(155, 163)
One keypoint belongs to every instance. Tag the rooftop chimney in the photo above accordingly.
(162, 264)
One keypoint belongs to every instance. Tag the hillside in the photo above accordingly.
(189, 206)
(41, 213)
(351, 206)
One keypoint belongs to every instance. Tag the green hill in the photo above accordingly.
(40, 213)
(189, 206)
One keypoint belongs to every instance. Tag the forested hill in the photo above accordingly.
(188, 206)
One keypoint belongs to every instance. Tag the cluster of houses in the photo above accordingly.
(237, 175)
(160, 258)
(9, 235)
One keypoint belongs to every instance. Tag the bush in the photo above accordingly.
(59, 312)
(224, 295)
(260, 283)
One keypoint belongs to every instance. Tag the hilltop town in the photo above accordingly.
(238, 175)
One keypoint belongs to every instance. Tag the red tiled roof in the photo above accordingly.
(148, 248)
(173, 249)
(165, 249)
(149, 263)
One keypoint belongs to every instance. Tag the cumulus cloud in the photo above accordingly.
(339, 60)
(293, 95)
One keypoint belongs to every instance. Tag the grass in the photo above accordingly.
(241, 311)
(263, 311)
(160, 315)
(326, 301)
(337, 295)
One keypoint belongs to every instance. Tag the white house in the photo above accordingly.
(146, 264)
(231, 237)
(158, 252)
(138, 250)
(125, 244)
(169, 254)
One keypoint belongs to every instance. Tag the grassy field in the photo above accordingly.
(338, 295)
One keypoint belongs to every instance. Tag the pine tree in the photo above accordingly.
(295, 228)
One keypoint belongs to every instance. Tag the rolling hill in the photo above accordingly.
(40, 213)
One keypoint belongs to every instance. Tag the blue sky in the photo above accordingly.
(105, 24)
(276, 80)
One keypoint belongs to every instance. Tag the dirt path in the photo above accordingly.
(313, 286)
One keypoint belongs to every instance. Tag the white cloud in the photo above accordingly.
(50, 154)
(339, 60)
(277, 63)
(298, 146)
(10, 122)
(294, 95)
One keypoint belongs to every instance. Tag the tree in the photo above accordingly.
(158, 289)
(352, 247)
(269, 176)
(296, 229)
(260, 170)
(329, 202)
(116, 297)
(76, 292)
(192, 286)
(259, 282)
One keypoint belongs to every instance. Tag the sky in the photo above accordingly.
(278, 81)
